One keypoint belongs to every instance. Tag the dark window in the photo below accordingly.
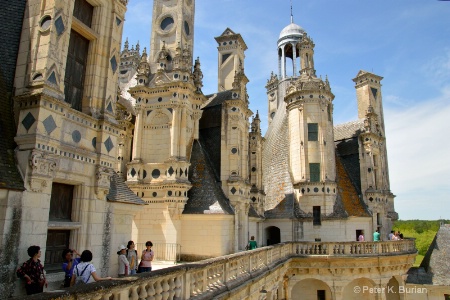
(316, 215)
(225, 56)
(186, 28)
(374, 92)
(313, 132)
(76, 69)
(83, 11)
(167, 23)
(57, 241)
(61, 202)
(446, 297)
(379, 219)
(314, 172)
(358, 233)
(321, 295)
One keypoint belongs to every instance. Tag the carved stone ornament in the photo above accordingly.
(42, 164)
(103, 181)
(175, 210)
(42, 167)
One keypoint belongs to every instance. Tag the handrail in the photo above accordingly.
(208, 278)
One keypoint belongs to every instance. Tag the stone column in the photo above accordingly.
(138, 134)
(183, 127)
(175, 132)
(294, 59)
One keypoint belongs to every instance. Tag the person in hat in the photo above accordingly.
(124, 265)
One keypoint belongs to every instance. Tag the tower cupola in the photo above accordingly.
(288, 42)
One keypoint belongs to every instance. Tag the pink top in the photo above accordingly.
(148, 257)
(361, 238)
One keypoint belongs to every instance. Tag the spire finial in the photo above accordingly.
(292, 16)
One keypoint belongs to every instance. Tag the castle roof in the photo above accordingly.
(206, 195)
(10, 30)
(291, 30)
(348, 130)
(218, 98)
(436, 263)
(120, 192)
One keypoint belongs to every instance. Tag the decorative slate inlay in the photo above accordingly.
(113, 64)
(49, 124)
(253, 199)
(28, 121)
(52, 78)
(109, 107)
(109, 144)
(159, 99)
(374, 92)
(169, 109)
(144, 174)
(76, 136)
(233, 190)
(59, 25)
(169, 193)
(233, 108)
(94, 142)
(133, 172)
(171, 171)
(148, 112)
(234, 150)
(155, 194)
(316, 190)
(118, 21)
(156, 173)
(253, 169)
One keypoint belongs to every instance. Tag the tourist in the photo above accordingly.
(84, 270)
(132, 257)
(400, 235)
(361, 237)
(391, 235)
(124, 265)
(252, 243)
(376, 236)
(147, 257)
(69, 263)
(32, 271)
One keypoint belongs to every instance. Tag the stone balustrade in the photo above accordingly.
(208, 278)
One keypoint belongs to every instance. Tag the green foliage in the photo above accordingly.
(423, 231)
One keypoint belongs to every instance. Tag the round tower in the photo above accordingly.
(310, 129)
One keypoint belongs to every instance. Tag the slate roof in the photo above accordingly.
(120, 192)
(349, 194)
(348, 130)
(219, 98)
(347, 149)
(206, 195)
(11, 14)
(286, 209)
(252, 213)
(348, 203)
(435, 266)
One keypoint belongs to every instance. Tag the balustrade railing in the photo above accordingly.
(163, 251)
(207, 278)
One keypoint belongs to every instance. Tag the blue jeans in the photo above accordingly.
(133, 271)
(145, 269)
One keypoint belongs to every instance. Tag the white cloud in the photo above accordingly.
(418, 141)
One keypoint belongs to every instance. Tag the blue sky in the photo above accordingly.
(405, 41)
